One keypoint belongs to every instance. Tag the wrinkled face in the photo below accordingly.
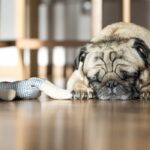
(113, 68)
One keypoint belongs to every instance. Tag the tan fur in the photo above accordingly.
(119, 31)
(124, 30)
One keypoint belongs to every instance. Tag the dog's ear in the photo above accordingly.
(143, 50)
(80, 57)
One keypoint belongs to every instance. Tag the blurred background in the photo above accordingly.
(42, 37)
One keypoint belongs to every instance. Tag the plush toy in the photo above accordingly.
(31, 89)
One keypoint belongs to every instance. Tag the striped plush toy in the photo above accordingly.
(31, 89)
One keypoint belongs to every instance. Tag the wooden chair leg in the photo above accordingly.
(97, 16)
(126, 10)
(20, 65)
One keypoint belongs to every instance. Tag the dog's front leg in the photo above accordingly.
(145, 93)
(78, 84)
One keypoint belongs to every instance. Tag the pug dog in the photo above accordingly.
(115, 65)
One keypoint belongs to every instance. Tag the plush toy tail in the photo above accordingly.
(7, 94)
(54, 92)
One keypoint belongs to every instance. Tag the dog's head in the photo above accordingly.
(116, 68)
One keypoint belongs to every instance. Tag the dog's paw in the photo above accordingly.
(145, 95)
(82, 95)
(80, 91)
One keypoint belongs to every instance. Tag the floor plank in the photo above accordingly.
(74, 125)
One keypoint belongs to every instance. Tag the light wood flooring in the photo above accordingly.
(46, 124)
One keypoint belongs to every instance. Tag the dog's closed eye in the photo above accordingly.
(130, 77)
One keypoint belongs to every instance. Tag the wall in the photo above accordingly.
(7, 19)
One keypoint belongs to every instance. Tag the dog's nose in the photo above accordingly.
(111, 84)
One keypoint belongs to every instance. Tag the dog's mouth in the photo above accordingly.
(115, 91)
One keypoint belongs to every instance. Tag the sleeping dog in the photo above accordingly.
(114, 65)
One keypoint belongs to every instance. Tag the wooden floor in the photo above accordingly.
(74, 125)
